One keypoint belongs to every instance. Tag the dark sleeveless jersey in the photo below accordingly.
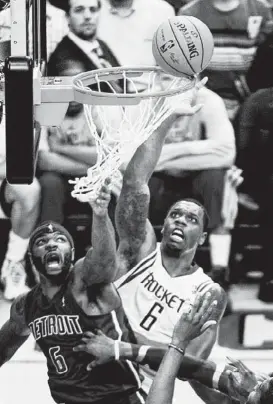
(57, 327)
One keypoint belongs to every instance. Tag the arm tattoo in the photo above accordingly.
(14, 332)
(131, 219)
(99, 265)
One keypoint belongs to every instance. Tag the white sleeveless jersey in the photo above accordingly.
(153, 302)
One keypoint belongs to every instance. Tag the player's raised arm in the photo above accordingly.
(136, 234)
(15, 331)
(99, 264)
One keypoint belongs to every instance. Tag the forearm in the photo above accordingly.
(204, 154)
(103, 236)
(192, 368)
(162, 388)
(83, 154)
(144, 161)
(101, 259)
(48, 161)
(196, 163)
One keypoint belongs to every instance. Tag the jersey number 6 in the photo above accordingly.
(58, 360)
(150, 318)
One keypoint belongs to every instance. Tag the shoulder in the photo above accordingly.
(256, 101)
(214, 108)
(65, 46)
(218, 294)
(207, 96)
(261, 95)
(18, 313)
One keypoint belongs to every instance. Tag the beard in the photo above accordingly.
(59, 278)
(87, 37)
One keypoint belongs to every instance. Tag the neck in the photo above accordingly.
(177, 265)
(121, 4)
(49, 289)
(225, 5)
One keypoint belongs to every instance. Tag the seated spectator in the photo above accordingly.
(135, 21)
(128, 27)
(193, 163)
(56, 27)
(238, 27)
(255, 150)
(81, 46)
(21, 204)
(65, 153)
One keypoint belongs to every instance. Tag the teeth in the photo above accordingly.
(178, 233)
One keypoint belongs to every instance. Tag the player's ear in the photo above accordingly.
(72, 254)
(203, 237)
(30, 257)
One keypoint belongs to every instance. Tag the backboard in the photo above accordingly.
(27, 57)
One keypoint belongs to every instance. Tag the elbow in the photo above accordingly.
(43, 161)
(228, 155)
(133, 185)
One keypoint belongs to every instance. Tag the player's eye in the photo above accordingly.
(192, 219)
(78, 9)
(61, 239)
(40, 242)
(174, 214)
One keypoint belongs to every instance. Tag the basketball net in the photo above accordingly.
(118, 130)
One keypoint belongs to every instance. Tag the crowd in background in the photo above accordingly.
(203, 156)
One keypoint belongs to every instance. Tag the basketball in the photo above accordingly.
(183, 46)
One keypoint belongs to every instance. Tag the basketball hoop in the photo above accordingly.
(126, 118)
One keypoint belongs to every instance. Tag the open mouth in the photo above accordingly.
(53, 260)
(177, 235)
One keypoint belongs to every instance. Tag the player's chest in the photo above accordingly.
(155, 303)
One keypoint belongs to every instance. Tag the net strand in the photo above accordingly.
(116, 144)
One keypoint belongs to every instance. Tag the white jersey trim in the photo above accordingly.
(142, 266)
(119, 331)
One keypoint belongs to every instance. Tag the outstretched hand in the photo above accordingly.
(242, 380)
(184, 104)
(98, 345)
(195, 319)
(100, 204)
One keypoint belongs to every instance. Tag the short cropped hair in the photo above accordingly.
(206, 217)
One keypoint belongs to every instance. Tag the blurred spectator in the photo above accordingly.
(65, 153)
(21, 204)
(80, 48)
(135, 21)
(128, 26)
(193, 163)
(260, 74)
(57, 27)
(255, 150)
(238, 26)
